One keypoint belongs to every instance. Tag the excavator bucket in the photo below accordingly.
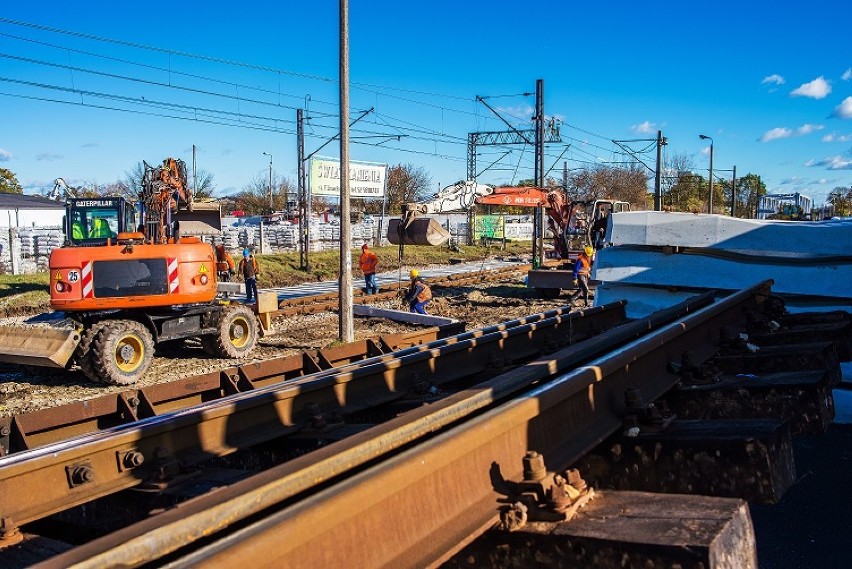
(42, 346)
(421, 231)
(204, 219)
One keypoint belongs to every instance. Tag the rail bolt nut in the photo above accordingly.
(534, 466)
(82, 475)
(133, 459)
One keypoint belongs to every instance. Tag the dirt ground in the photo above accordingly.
(478, 306)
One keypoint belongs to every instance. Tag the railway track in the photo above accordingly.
(322, 297)
(422, 470)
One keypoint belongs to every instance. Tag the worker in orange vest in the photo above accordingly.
(419, 294)
(369, 261)
(225, 266)
(582, 271)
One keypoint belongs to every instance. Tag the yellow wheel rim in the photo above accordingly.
(239, 332)
(129, 353)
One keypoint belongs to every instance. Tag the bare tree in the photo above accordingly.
(407, 183)
(604, 182)
(255, 198)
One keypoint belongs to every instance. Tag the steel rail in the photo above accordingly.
(432, 497)
(90, 466)
(150, 539)
(310, 304)
(55, 424)
(47, 426)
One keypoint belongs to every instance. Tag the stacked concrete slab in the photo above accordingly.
(657, 258)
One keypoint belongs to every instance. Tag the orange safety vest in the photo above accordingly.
(425, 294)
(585, 265)
(369, 261)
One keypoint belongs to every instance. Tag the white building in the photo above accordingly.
(17, 210)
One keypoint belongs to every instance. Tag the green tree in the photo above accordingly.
(9, 183)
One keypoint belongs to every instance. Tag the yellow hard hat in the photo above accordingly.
(414, 273)
(588, 251)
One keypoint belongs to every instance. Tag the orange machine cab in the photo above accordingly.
(132, 276)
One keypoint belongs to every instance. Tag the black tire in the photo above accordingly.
(236, 333)
(121, 352)
(83, 354)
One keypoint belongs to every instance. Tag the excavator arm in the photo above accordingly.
(412, 229)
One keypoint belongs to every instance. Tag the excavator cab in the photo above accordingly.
(91, 221)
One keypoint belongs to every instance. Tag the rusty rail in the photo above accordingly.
(52, 425)
(39, 482)
(329, 301)
(430, 497)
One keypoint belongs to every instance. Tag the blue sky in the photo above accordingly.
(771, 84)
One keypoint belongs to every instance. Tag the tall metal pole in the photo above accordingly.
(658, 187)
(734, 192)
(538, 220)
(346, 328)
(304, 242)
(271, 207)
(710, 206)
(194, 175)
(709, 201)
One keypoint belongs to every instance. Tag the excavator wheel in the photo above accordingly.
(121, 352)
(236, 333)
(83, 354)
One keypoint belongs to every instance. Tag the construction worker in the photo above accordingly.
(225, 266)
(599, 229)
(582, 270)
(369, 261)
(77, 230)
(419, 293)
(100, 228)
(249, 270)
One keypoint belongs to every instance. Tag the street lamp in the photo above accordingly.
(710, 138)
(272, 208)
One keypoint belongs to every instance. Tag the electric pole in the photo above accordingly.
(734, 192)
(304, 206)
(347, 331)
(538, 220)
(658, 187)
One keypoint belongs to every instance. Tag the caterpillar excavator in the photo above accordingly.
(119, 288)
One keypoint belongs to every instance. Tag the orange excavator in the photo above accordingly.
(572, 224)
(119, 288)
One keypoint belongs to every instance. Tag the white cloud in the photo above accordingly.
(833, 137)
(844, 109)
(793, 180)
(847, 75)
(90, 145)
(832, 163)
(5, 155)
(819, 88)
(644, 128)
(808, 128)
(48, 157)
(784, 132)
(775, 79)
(775, 134)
